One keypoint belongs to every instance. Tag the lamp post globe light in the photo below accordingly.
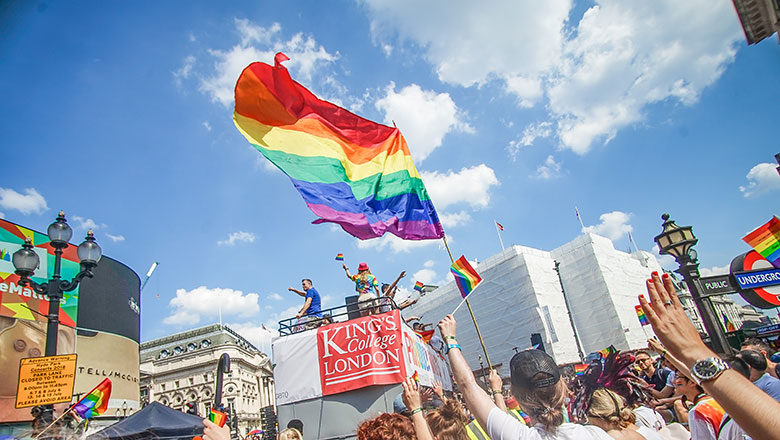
(26, 261)
(678, 241)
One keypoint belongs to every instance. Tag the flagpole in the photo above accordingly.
(471, 312)
(54, 422)
(500, 240)
(577, 211)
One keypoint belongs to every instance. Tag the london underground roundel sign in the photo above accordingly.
(761, 285)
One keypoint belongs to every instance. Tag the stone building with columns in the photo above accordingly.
(180, 369)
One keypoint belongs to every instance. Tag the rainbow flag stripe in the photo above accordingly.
(641, 315)
(580, 369)
(728, 325)
(339, 257)
(218, 418)
(607, 351)
(466, 277)
(349, 170)
(766, 241)
(418, 286)
(96, 402)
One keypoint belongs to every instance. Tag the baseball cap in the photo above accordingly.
(531, 369)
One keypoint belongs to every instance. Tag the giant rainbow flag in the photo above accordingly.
(766, 241)
(349, 170)
(96, 402)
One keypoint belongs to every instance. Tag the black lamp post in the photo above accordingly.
(25, 260)
(678, 241)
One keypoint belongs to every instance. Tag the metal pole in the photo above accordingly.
(54, 292)
(690, 273)
(568, 311)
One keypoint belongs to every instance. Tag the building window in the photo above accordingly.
(192, 381)
(176, 384)
(162, 387)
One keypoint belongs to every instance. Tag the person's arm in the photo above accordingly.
(752, 409)
(391, 288)
(496, 386)
(656, 346)
(346, 270)
(477, 401)
(439, 391)
(305, 308)
(212, 431)
(665, 392)
(413, 401)
(682, 413)
(299, 292)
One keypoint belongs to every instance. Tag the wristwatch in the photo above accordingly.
(708, 369)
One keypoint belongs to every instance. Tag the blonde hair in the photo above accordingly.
(610, 406)
(290, 434)
(545, 405)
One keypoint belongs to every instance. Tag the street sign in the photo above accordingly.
(761, 331)
(717, 285)
(758, 278)
(45, 380)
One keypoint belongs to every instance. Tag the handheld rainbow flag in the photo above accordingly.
(349, 170)
(425, 335)
(766, 241)
(339, 257)
(416, 376)
(728, 325)
(466, 277)
(94, 403)
(418, 286)
(218, 418)
(580, 369)
(641, 315)
(607, 351)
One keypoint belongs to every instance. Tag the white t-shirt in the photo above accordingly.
(670, 379)
(649, 417)
(502, 426)
(648, 433)
(729, 430)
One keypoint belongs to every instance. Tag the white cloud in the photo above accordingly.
(85, 223)
(115, 238)
(451, 220)
(397, 245)
(714, 270)
(614, 225)
(426, 276)
(183, 72)
(550, 169)
(423, 116)
(429, 263)
(595, 76)
(473, 186)
(275, 296)
(306, 58)
(531, 133)
(31, 202)
(665, 261)
(235, 237)
(259, 335)
(762, 178)
(206, 125)
(188, 307)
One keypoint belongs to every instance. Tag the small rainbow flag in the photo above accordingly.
(418, 286)
(641, 315)
(607, 351)
(728, 325)
(96, 402)
(425, 335)
(466, 277)
(766, 241)
(416, 376)
(580, 369)
(339, 257)
(218, 418)
(499, 226)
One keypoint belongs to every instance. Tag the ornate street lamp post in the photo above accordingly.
(25, 260)
(678, 241)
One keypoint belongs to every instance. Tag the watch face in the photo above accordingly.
(706, 369)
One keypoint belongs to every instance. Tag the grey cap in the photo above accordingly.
(531, 369)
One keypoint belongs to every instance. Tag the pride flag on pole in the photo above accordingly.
(96, 402)
(418, 286)
(580, 369)
(766, 241)
(500, 227)
(349, 170)
(339, 257)
(641, 315)
(728, 325)
(466, 277)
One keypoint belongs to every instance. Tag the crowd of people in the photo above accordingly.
(687, 393)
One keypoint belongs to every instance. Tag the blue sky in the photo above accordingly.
(120, 114)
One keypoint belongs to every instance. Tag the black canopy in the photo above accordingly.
(154, 421)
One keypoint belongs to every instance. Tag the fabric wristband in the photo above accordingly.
(450, 337)
(451, 346)
(494, 392)
(416, 410)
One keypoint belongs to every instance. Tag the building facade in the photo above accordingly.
(181, 369)
(579, 297)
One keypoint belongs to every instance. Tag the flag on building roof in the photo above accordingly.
(350, 171)
(339, 257)
(766, 241)
(499, 226)
(728, 325)
(466, 277)
(95, 402)
(579, 369)
(641, 315)
(418, 286)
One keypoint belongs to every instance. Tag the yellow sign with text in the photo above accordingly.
(45, 380)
